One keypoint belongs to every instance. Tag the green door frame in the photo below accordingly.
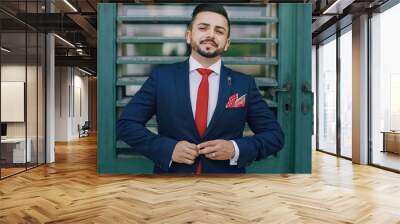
(294, 96)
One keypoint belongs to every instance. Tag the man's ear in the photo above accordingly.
(188, 36)
(228, 43)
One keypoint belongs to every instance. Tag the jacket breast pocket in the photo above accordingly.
(235, 115)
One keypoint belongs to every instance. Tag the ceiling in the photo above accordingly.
(76, 21)
(332, 15)
(72, 20)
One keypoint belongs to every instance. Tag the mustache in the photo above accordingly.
(209, 40)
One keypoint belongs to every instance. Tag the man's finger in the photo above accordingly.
(208, 149)
(188, 161)
(190, 145)
(212, 155)
(192, 152)
(190, 156)
(206, 144)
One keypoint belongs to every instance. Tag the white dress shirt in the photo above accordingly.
(213, 84)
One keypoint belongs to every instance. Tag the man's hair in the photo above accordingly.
(216, 8)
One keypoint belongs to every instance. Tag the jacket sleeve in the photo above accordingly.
(268, 136)
(131, 126)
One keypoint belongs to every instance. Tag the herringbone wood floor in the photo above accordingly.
(70, 191)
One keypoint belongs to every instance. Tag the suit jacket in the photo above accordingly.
(166, 94)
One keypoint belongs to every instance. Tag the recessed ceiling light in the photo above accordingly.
(5, 50)
(84, 71)
(70, 5)
(65, 41)
(338, 6)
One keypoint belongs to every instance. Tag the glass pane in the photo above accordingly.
(41, 99)
(327, 97)
(13, 86)
(32, 87)
(386, 89)
(314, 89)
(23, 88)
(346, 94)
(31, 100)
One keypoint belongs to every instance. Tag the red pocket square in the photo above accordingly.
(235, 102)
(241, 101)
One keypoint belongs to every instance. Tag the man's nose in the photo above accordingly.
(211, 33)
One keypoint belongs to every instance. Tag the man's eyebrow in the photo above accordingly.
(203, 24)
(221, 27)
(206, 24)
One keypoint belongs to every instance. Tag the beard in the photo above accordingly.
(208, 54)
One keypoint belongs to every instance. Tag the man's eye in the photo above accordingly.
(202, 28)
(220, 32)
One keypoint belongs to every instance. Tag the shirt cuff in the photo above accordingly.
(233, 161)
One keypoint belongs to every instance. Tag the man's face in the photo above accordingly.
(209, 34)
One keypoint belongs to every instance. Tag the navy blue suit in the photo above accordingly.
(166, 94)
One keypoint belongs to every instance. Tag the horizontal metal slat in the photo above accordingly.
(187, 19)
(139, 80)
(174, 59)
(131, 80)
(122, 145)
(241, 40)
(129, 156)
(123, 102)
(129, 151)
(266, 82)
(271, 103)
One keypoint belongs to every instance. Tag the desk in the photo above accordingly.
(16, 147)
(391, 141)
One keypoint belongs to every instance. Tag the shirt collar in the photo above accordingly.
(194, 64)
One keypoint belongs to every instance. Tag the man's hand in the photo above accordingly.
(217, 149)
(185, 152)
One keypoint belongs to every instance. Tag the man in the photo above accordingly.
(201, 108)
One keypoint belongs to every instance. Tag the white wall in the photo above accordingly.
(17, 73)
(80, 89)
(12, 100)
(33, 126)
(71, 93)
(14, 73)
(61, 103)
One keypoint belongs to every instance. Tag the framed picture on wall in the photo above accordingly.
(12, 101)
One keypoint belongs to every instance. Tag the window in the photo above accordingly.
(346, 93)
(327, 96)
(385, 89)
(22, 77)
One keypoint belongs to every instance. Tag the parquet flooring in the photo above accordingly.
(10, 171)
(70, 191)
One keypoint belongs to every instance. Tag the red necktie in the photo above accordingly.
(202, 106)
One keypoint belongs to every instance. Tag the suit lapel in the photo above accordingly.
(223, 94)
(183, 93)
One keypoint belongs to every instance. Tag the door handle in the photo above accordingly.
(285, 88)
(306, 88)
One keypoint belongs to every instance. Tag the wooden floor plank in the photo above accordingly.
(70, 191)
